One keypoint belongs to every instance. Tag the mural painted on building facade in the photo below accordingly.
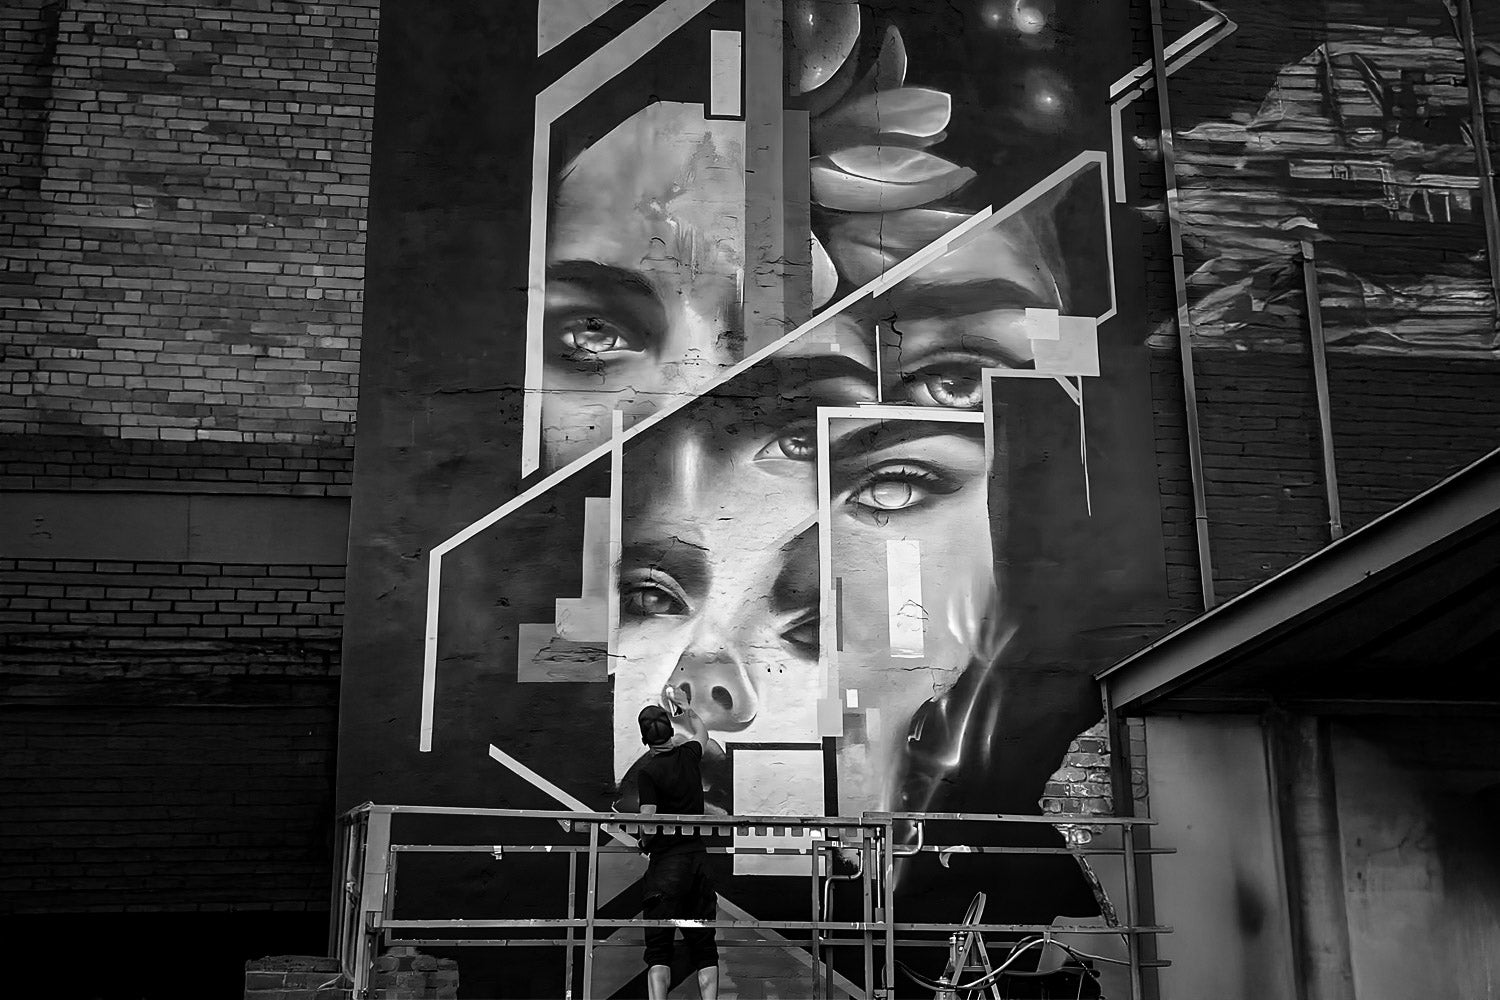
(1361, 140)
(835, 422)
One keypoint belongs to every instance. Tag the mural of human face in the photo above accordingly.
(718, 574)
(909, 540)
(645, 262)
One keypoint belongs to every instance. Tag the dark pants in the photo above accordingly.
(679, 887)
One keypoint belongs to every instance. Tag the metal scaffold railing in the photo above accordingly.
(862, 851)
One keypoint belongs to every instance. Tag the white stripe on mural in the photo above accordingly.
(724, 75)
(903, 569)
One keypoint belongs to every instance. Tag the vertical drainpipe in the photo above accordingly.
(1464, 15)
(1184, 320)
(1320, 382)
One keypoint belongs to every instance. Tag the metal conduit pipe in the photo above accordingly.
(1184, 320)
(1463, 15)
(1320, 385)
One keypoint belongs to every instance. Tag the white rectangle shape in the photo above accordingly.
(1041, 324)
(1074, 352)
(780, 782)
(851, 697)
(903, 579)
(724, 75)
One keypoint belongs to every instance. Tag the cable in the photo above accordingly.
(1020, 948)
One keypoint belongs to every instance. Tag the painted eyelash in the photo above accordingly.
(905, 472)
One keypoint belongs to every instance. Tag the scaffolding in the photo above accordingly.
(863, 850)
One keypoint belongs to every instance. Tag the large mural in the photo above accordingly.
(816, 400)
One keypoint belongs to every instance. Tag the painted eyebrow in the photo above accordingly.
(853, 445)
(682, 560)
(605, 277)
(960, 298)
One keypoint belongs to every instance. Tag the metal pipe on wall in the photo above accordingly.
(1463, 14)
(1184, 319)
(1320, 382)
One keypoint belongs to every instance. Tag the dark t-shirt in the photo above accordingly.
(673, 782)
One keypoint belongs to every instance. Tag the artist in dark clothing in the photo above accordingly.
(677, 882)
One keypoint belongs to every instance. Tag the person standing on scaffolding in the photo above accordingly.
(677, 883)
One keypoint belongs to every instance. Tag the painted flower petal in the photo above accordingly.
(865, 246)
(895, 164)
(889, 71)
(918, 111)
(825, 278)
(821, 36)
(840, 190)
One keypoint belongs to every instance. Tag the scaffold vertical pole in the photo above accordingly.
(868, 864)
(572, 911)
(591, 875)
(888, 904)
(372, 891)
(1132, 910)
(817, 932)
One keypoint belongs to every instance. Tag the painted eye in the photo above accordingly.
(595, 335)
(803, 636)
(650, 594)
(956, 386)
(900, 486)
(889, 494)
(795, 443)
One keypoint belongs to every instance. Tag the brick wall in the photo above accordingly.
(182, 237)
(1404, 417)
(182, 206)
(168, 795)
(93, 619)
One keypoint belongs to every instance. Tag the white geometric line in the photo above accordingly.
(1139, 80)
(559, 20)
(1142, 73)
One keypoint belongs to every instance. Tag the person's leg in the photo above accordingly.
(704, 950)
(659, 981)
(708, 983)
(659, 884)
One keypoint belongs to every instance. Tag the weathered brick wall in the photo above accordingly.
(1404, 417)
(96, 619)
(182, 205)
(166, 795)
(183, 237)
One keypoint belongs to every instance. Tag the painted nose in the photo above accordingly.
(716, 684)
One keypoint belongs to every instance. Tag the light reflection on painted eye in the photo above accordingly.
(650, 594)
(595, 335)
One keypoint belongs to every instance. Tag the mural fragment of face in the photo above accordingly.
(909, 540)
(645, 263)
(718, 576)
